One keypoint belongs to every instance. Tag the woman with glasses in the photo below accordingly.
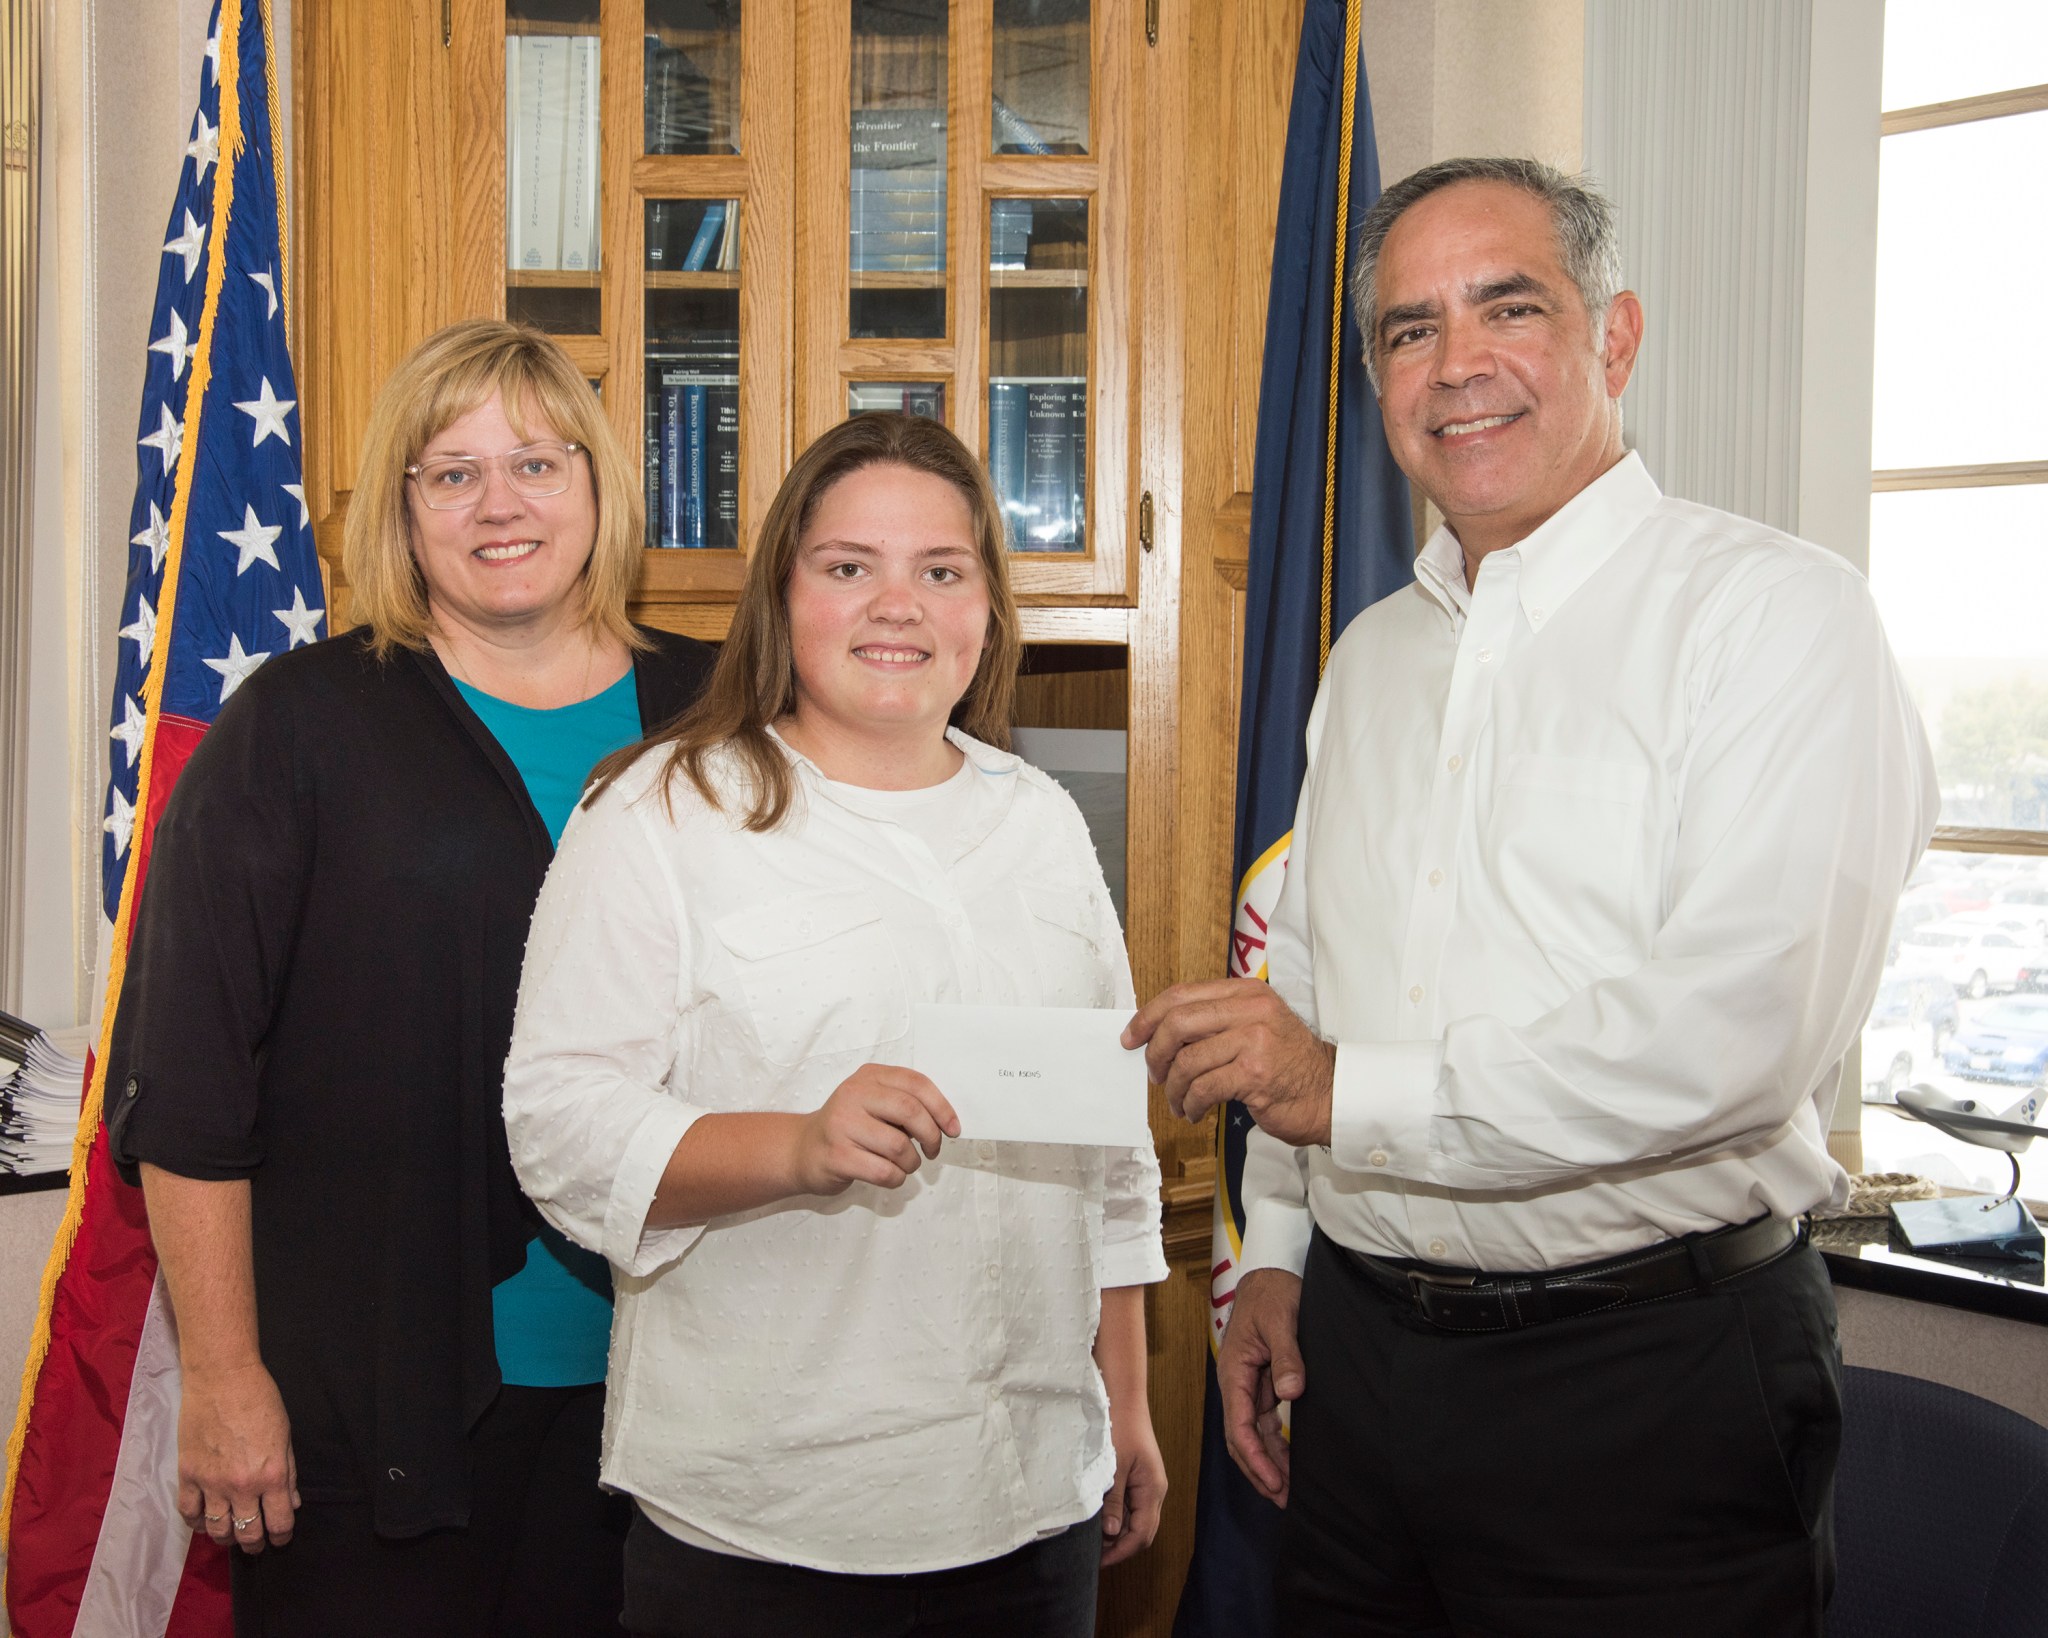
(392, 1374)
(869, 1377)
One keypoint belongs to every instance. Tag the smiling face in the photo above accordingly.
(510, 560)
(1499, 393)
(888, 613)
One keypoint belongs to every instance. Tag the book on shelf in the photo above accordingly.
(728, 259)
(897, 214)
(676, 102)
(515, 173)
(1038, 459)
(579, 166)
(42, 1085)
(1013, 133)
(698, 256)
(693, 419)
(552, 110)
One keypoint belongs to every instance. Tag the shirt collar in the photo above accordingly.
(1563, 553)
(993, 792)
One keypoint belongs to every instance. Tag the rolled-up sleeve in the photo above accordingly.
(212, 950)
(590, 1118)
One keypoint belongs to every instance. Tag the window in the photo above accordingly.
(1959, 565)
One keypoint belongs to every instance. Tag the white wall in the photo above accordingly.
(1453, 77)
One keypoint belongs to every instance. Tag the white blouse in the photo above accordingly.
(882, 1381)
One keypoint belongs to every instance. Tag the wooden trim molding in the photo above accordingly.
(2031, 99)
(1972, 839)
(1984, 475)
(1187, 1211)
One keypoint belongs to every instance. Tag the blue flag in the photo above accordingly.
(1331, 533)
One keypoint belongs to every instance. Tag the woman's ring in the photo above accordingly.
(243, 1524)
(213, 1518)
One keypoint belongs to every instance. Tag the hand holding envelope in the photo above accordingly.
(1034, 1074)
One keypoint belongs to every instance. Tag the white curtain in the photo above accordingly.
(20, 140)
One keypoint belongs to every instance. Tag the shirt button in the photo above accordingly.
(993, 1271)
(134, 1086)
(1485, 654)
(1436, 878)
(1378, 1157)
(1455, 763)
(1535, 616)
(1414, 992)
(1437, 1248)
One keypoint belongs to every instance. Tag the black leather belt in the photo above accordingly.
(1505, 1302)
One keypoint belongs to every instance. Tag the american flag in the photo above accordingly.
(222, 575)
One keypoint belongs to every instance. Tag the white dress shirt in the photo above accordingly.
(883, 1381)
(1590, 881)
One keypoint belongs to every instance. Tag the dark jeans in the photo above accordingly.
(1045, 1589)
(542, 1556)
(1666, 1469)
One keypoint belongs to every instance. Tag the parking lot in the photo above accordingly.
(1963, 1008)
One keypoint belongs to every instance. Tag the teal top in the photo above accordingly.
(553, 1319)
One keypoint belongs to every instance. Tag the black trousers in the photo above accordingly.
(1666, 1469)
(1045, 1589)
(542, 1557)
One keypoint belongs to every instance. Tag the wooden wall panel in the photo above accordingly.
(378, 221)
(1213, 119)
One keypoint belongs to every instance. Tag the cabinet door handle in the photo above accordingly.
(447, 22)
(1145, 520)
(1151, 22)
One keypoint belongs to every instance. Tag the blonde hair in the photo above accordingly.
(435, 385)
(754, 681)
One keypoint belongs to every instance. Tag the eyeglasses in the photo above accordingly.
(452, 483)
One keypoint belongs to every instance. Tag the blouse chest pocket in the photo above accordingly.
(817, 974)
(1071, 967)
(1566, 840)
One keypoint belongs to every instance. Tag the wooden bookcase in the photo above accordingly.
(399, 168)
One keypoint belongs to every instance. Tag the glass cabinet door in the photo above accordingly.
(748, 219)
(692, 355)
(645, 201)
(1038, 102)
(553, 174)
(964, 236)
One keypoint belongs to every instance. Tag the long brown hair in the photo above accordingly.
(754, 681)
(434, 386)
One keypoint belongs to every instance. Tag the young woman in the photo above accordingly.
(864, 1377)
(384, 1366)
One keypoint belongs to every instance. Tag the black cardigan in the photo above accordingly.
(319, 998)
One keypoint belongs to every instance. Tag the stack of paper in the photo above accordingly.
(42, 1084)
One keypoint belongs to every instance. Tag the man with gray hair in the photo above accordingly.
(1603, 825)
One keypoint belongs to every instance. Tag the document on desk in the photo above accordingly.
(1034, 1074)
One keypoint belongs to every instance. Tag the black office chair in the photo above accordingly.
(1941, 1514)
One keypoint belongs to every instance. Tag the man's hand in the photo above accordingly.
(1132, 1504)
(1235, 1038)
(1258, 1366)
(237, 1479)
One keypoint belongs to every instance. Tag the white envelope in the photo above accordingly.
(1035, 1074)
